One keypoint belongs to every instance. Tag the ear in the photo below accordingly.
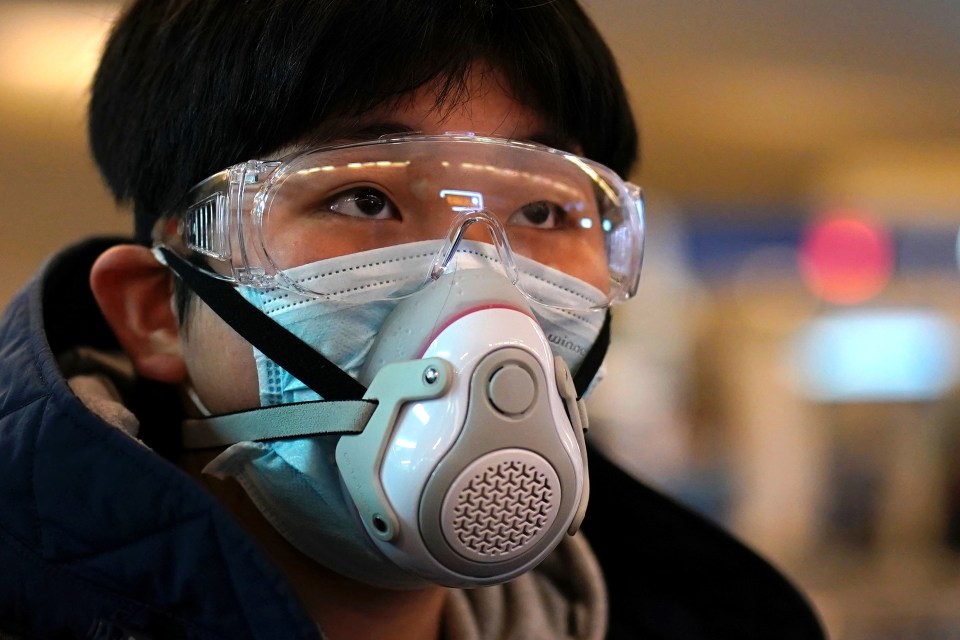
(134, 292)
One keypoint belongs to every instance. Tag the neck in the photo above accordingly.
(349, 610)
(342, 608)
(345, 609)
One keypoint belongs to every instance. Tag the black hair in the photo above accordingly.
(186, 88)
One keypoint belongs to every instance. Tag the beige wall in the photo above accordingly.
(50, 192)
(52, 195)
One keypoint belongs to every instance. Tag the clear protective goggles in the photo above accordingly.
(532, 209)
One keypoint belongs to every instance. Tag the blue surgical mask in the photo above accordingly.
(344, 331)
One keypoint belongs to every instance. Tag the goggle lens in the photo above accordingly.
(555, 209)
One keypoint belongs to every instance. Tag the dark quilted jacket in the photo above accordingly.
(101, 537)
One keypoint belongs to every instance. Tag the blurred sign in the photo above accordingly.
(718, 240)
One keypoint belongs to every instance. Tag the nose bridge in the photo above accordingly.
(482, 229)
(478, 226)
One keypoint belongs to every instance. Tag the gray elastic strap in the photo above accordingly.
(323, 417)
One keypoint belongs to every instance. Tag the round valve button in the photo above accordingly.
(512, 389)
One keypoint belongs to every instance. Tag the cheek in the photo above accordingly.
(219, 362)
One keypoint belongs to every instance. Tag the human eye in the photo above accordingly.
(540, 215)
(363, 202)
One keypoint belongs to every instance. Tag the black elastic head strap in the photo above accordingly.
(290, 352)
(594, 358)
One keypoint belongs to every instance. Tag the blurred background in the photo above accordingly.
(790, 368)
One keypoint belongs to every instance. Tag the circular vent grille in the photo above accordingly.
(501, 505)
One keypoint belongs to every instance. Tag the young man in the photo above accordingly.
(336, 389)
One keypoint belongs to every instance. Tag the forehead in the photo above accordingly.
(482, 104)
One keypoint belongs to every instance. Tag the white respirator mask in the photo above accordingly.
(472, 465)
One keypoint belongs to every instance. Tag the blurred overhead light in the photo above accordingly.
(51, 48)
(877, 355)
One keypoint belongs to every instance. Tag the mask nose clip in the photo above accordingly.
(462, 222)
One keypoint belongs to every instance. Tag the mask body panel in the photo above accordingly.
(429, 472)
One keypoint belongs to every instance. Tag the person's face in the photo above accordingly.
(220, 363)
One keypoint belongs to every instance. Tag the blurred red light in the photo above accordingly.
(846, 258)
